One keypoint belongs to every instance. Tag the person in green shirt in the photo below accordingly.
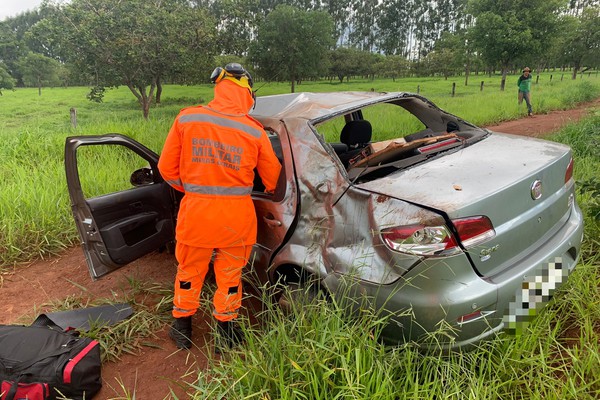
(524, 84)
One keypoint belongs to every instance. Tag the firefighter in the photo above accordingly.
(210, 155)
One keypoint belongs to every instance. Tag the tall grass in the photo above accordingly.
(584, 139)
(35, 216)
(318, 352)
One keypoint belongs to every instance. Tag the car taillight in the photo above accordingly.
(426, 240)
(569, 172)
(474, 230)
(420, 240)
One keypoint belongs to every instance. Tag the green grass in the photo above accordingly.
(584, 139)
(317, 352)
(35, 217)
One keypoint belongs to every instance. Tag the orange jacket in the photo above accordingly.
(210, 154)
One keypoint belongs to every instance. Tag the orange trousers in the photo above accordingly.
(191, 272)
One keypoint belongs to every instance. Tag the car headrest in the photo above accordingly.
(356, 133)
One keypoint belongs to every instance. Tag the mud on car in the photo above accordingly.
(467, 229)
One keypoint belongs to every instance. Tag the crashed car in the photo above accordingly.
(444, 225)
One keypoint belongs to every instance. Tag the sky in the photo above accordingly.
(10, 8)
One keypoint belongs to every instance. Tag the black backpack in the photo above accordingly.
(38, 363)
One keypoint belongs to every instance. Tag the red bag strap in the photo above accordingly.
(73, 362)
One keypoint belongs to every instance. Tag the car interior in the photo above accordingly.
(356, 149)
(366, 141)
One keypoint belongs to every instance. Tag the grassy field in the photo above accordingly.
(35, 219)
(317, 353)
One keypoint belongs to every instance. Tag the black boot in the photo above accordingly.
(230, 332)
(181, 332)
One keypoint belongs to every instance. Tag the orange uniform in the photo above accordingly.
(210, 154)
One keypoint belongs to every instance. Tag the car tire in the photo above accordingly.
(296, 295)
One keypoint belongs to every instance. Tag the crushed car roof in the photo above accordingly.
(314, 106)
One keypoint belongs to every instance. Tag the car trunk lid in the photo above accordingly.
(498, 177)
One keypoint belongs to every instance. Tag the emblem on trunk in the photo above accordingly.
(486, 254)
(536, 189)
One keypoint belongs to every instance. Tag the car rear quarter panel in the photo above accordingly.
(338, 226)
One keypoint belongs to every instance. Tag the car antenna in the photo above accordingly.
(265, 83)
(262, 86)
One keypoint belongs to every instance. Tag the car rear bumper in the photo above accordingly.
(444, 304)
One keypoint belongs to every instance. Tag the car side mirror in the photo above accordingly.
(142, 176)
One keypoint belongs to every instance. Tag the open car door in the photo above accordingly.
(120, 215)
(277, 213)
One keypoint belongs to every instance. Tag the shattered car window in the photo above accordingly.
(377, 140)
(389, 121)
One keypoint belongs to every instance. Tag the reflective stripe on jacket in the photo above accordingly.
(210, 154)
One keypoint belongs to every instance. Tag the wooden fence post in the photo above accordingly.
(481, 87)
(74, 117)
(418, 89)
(453, 88)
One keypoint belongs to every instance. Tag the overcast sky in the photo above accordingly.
(10, 8)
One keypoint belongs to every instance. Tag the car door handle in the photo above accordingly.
(136, 207)
(271, 221)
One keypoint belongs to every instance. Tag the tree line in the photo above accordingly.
(143, 44)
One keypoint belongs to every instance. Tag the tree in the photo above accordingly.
(394, 27)
(511, 30)
(11, 51)
(237, 24)
(22, 23)
(365, 15)
(459, 44)
(339, 10)
(137, 43)
(39, 71)
(291, 44)
(394, 66)
(441, 62)
(6, 81)
(576, 7)
(580, 42)
(345, 62)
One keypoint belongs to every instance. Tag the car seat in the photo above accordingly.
(356, 135)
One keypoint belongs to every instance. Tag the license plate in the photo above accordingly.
(535, 292)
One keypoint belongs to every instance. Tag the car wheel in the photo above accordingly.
(296, 295)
